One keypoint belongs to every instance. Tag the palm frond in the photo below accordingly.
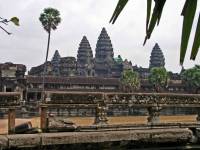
(149, 3)
(155, 18)
(196, 43)
(120, 6)
(188, 13)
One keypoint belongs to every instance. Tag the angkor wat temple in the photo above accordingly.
(88, 72)
(104, 64)
(85, 65)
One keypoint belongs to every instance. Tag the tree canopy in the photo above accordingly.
(153, 18)
(158, 78)
(131, 79)
(191, 77)
(50, 18)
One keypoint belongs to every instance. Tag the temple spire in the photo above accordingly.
(56, 56)
(85, 59)
(157, 58)
(104, 45)
(55, 63)
(104, 55)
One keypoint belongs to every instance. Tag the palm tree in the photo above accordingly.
(188, 13)
(50, 18)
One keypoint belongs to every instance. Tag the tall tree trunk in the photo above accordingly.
(48, 43)
(45, 65)
(157, 88)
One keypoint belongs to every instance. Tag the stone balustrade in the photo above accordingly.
(154, 102)
(101, 102)
(9, 101)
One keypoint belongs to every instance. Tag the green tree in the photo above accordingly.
(4, 21)
(153, 18)
(158, 78)
(191, 77)
(130, 80)
(50, 18)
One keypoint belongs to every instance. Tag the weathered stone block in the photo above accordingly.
(148, 136)
(171, 135)
(3, 142)
(21, 140)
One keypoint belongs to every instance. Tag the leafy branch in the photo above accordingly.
(4, 21)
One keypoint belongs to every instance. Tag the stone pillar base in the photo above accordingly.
(154, 115)
(101, 115)
(11, 120)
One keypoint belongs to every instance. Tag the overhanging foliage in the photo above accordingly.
(188, 13)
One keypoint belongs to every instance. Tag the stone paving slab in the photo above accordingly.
(3, 141)
(146, 135)
(24, 140)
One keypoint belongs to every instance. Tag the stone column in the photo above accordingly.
(43, 118)
(58, 112)
(198, 116)
(11, 120)
(4, 88)
(154, 114)
(35, 96)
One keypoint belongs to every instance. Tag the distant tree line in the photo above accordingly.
(159, 79)
(191, 77)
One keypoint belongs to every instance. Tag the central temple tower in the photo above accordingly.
(104, 55)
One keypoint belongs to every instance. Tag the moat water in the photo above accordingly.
(113, 147)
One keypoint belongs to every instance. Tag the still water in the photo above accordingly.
(125, 147)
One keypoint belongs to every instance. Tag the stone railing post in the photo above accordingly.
(154, 114)
(43, 118)
(101, 114)
(198, 116)
(11, 120)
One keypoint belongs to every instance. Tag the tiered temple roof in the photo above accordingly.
(12, 70)
(104, 55)
(12, 77)
(85, 61)
(56, 63)
(56, 57)
(157, 58)
(74, 80)
(68, 66)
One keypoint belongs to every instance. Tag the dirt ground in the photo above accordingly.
(111, 120)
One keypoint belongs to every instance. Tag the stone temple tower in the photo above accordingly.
(104, 55)
(157, 58)
(85, 61)
(56, 63)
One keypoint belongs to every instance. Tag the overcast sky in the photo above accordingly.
(27, 44)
